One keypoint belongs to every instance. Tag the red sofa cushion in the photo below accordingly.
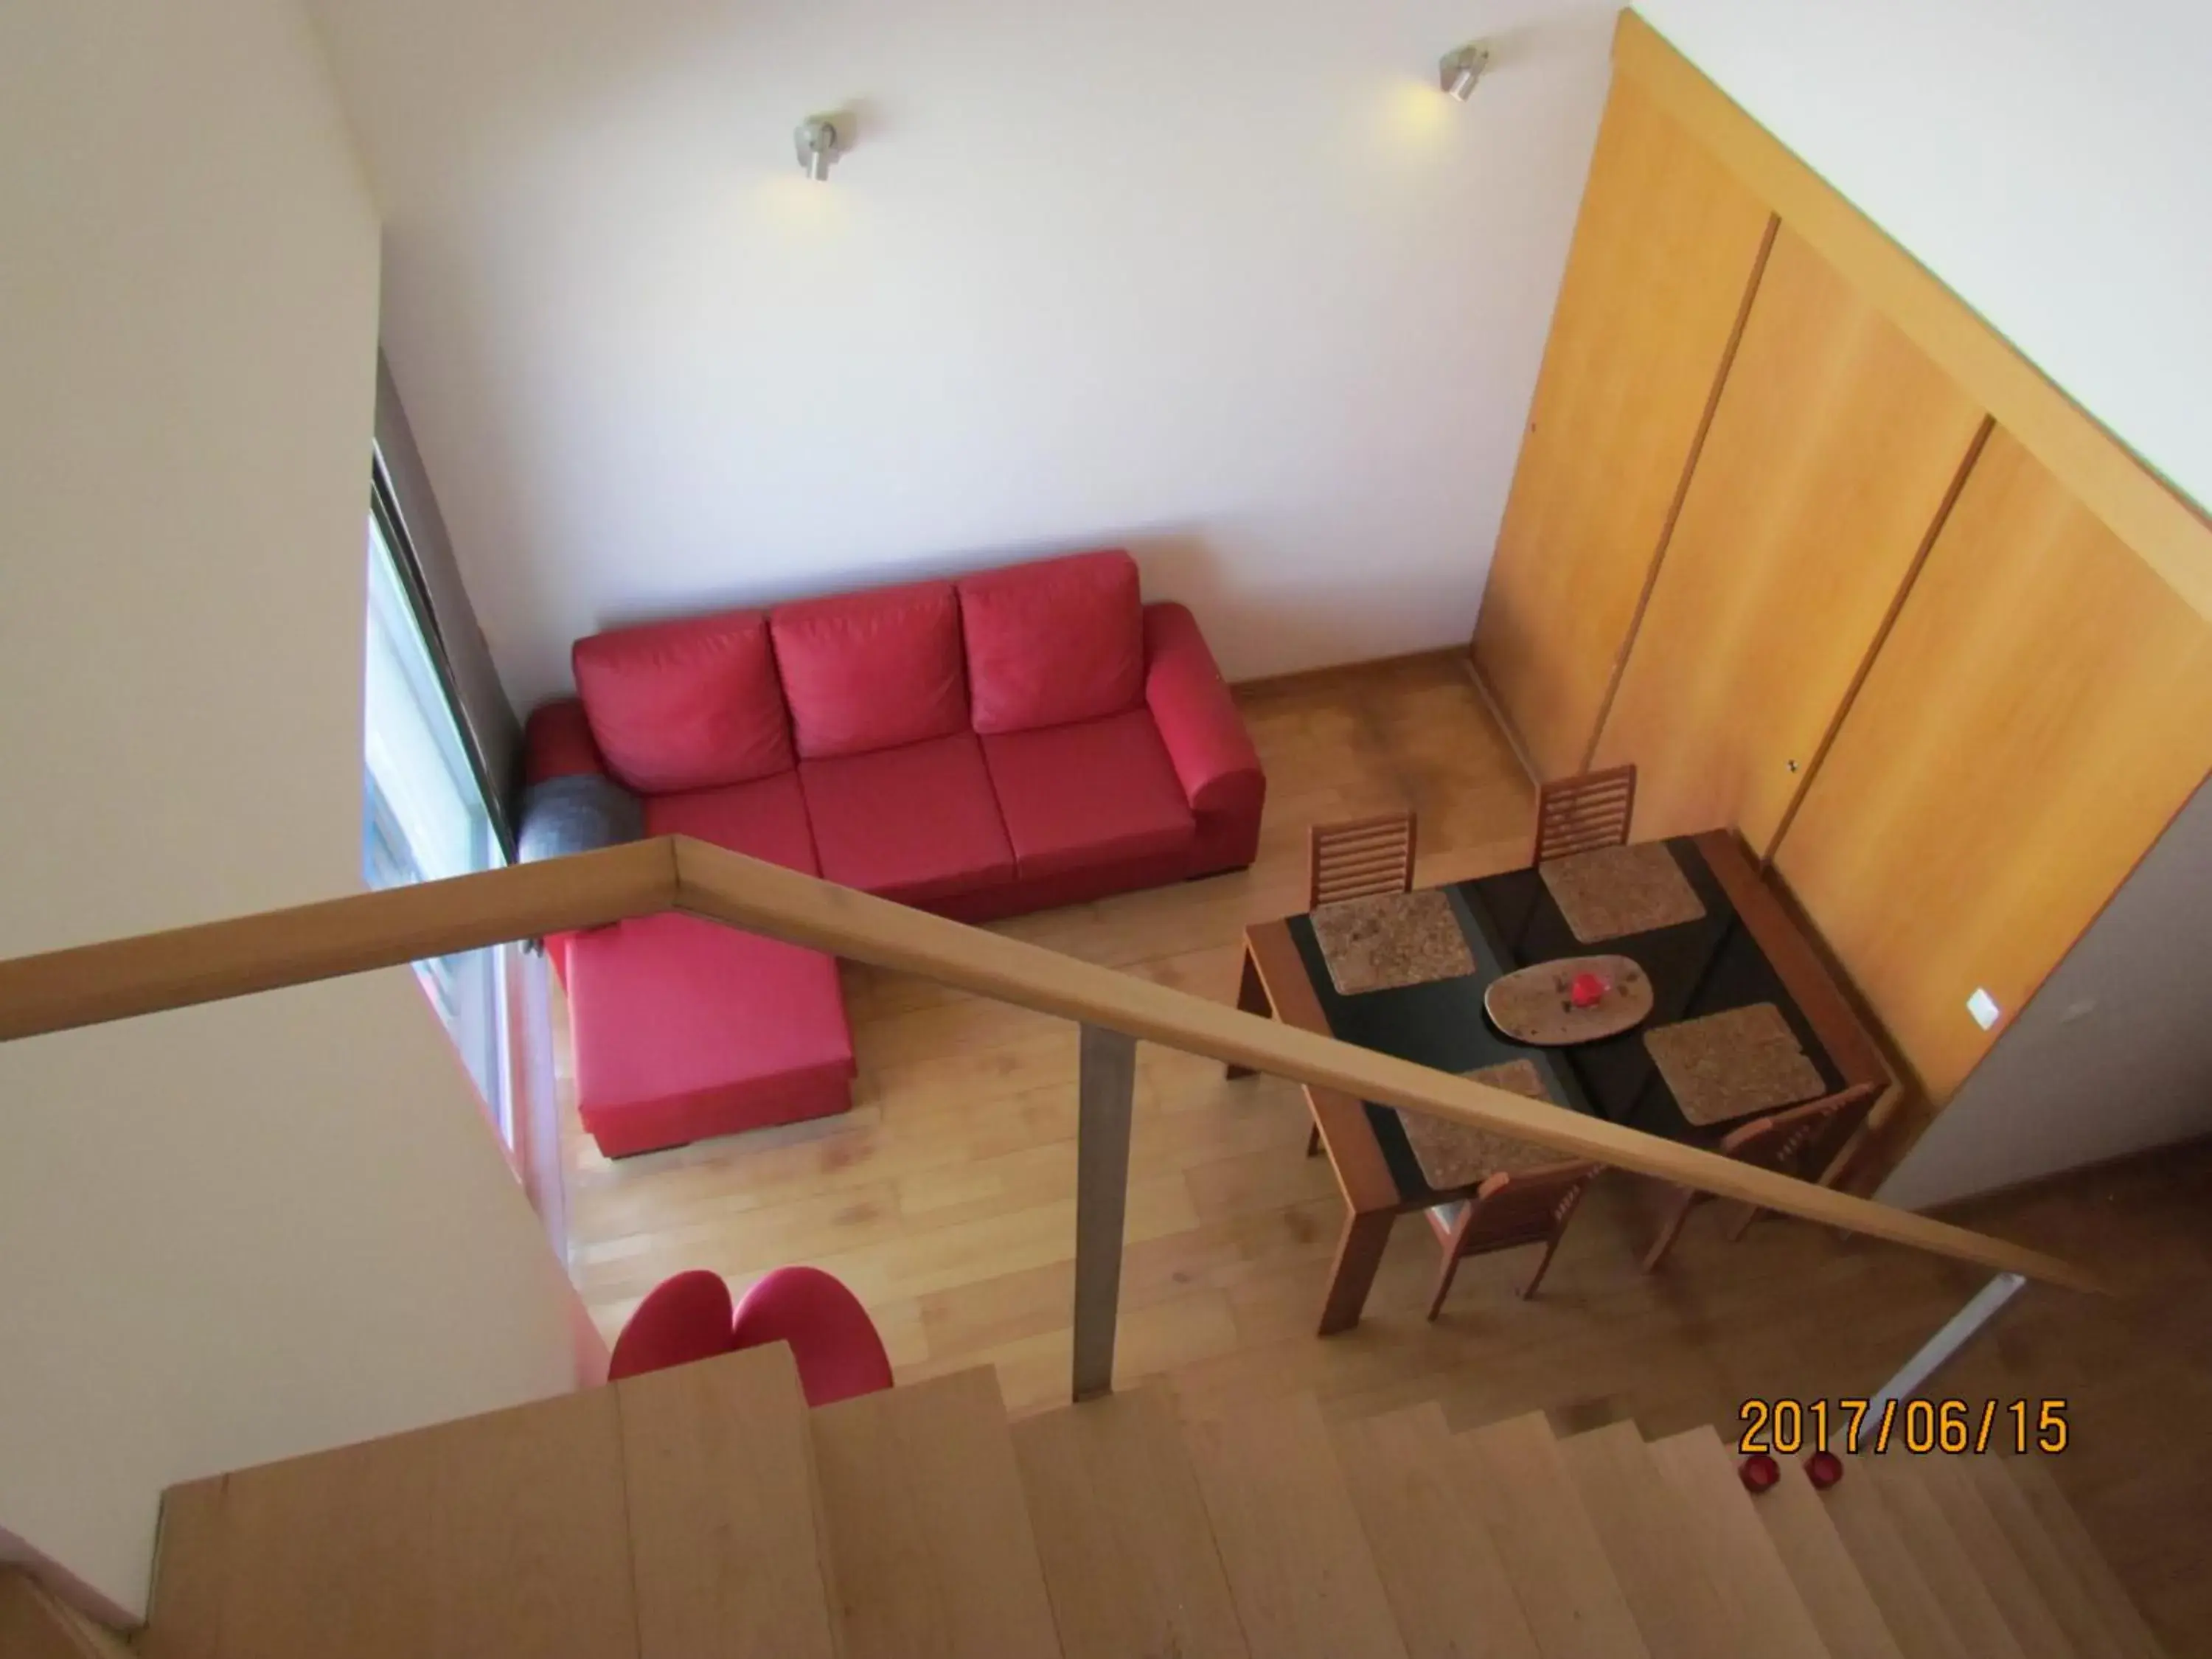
(764, 819)
(686, 704)
(1102, 792)
(1054, 642)
(912, 824)
(872, 670)
(683, 1318)
(669, 1006)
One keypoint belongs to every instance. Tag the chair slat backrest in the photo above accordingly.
(1524, 1207)
(1778, 1141)
(1584, 813)
(1360, 858)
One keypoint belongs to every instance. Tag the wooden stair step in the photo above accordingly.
(1122, 1529)
(1738, 1554)
(1444, 1575)
(1519, 1483)
(1919, 1520)
(1844, 1606)
(500, 1534)
(2046, 1509)
(927, 1527)
(1916, 1616)
(2063, 1585)
(1296, 1559)
(2019, 1597)
(727, 1554)
(1648, 1538)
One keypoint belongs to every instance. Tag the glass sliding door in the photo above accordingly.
(423, 811)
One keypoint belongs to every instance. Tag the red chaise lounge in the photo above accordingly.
(1020, 739)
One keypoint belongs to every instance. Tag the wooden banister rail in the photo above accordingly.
(93, 984)
(130, 977)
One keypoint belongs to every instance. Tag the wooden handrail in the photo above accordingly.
(130, 977)
(186, 966)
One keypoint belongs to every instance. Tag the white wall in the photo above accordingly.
(2045, 158)
(1229, 280)
(242, 1232)
(2112, 1055)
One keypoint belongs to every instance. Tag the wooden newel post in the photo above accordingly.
(1107, 1083)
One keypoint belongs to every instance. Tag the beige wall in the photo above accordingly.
(242, 1232)
(1230, 282)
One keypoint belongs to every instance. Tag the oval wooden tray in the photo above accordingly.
(1532, 1004)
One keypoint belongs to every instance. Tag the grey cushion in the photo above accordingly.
(578, 814)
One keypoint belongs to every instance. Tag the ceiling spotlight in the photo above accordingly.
(1461, 70)
(819, 143)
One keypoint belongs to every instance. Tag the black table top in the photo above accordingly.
(1511, 921)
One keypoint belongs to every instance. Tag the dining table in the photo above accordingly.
(1744, 948)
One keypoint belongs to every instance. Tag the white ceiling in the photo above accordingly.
(1227, 281)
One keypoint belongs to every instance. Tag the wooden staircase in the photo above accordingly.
(705, 1512)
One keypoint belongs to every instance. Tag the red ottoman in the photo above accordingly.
(685, 1028)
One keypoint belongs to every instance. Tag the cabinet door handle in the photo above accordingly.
(1792, 765)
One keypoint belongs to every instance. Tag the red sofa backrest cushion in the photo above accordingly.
(1055, 641)
(872, 670)
(689, 704)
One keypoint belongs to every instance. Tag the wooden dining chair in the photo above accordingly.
(1360, 858)
(1528, 1206)
(1584, 813)
(1779, 1142)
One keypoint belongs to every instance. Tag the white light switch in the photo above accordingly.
(1983, 1007)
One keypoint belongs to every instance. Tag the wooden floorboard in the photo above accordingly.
(945, 1198)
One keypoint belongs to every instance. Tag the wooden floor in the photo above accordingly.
(945, 1198)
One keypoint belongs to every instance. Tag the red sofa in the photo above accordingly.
(1021, 738)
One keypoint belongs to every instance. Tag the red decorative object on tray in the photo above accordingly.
(1587, 990)
(1758, 1473)
(1823, 1468)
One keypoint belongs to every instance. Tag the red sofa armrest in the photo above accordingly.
(1205, 737)
(557, 743)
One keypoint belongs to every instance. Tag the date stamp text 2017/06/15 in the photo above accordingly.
(1784, 1427)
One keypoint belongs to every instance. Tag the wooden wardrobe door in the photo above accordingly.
(2041, 709)
(1830, 454)
(1665, 250)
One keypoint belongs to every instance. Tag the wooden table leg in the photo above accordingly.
(1251, 999)
(1358, 1255)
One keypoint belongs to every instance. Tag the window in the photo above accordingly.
(423, 811)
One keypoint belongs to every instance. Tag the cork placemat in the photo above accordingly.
(1536, 1005)
(1399, 939)
(1456, 1155)
(1727, 1065)
(1618, 890)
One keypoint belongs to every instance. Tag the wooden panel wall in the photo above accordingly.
(1893, 605)
(2041, 709)
(1664, 257)
(1832, 451)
